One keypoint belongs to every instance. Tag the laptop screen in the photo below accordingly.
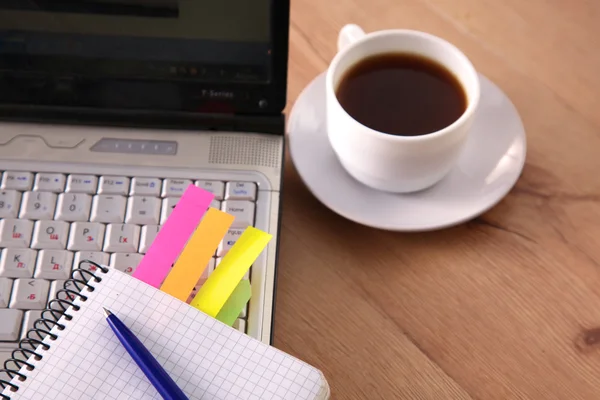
(225, 41)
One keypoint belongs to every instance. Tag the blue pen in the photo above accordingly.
(159, 378)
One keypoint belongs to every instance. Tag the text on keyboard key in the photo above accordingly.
(10, 201)
(54, 183)
(143, 210)
(125, 262)
(17, 263)
(11, 324)
(243, 211)
(146, 186)
(50, 235)
(82, 184)
(5, 290)
(228, 241)
(217, 188)
(108, 208)
(22, 181)
(175, 187)
(53, 264)
(29, 294)
(73, 207)
(38, 205)
(122, 238)
(86, 236)
(240, 191)
(95, 256)
(15, 232)
(113, 185)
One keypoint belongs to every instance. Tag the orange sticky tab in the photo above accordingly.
(197, 253)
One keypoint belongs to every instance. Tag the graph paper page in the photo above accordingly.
(206, 358)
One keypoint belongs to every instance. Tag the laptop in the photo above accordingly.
(109, 109)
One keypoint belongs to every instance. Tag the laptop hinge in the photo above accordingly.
(271, 124)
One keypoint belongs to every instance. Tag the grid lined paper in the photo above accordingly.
(206, 358)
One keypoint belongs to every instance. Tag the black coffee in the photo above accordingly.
(402, 94)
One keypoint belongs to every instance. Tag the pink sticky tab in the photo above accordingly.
(173, 236)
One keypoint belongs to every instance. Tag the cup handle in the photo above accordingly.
(349, 34)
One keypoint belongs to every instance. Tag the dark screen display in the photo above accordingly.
(219, 40)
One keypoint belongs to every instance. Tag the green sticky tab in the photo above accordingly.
(235, 303)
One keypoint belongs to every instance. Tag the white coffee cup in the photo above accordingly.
(392, 163)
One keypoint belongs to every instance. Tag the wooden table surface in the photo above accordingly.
(506, 306)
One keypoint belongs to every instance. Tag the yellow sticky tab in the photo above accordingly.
(213, 294)
(197, 253)
(234, 305)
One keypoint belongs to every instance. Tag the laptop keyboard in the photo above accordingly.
(49, 222)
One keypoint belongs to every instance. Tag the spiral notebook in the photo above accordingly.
(81, 358)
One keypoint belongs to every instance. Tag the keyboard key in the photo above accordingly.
(215, 204)
(29, 294)
(243, 211)
(73, 207)
(82, 184)
(53, 264)
(113, 185)
(86, 236)
(22, 181)
(209, 270)
(228, 241)
(17, 263)
(50, 235)
(143, 210)
(125, 262)
(54, 294)
(55, 286)
(108, 208)
(244, 312)
(240, 191)
(29, 319)
(240, 325)
(54, 183)
(145, 186)
(175, 187)
(122, 238)
(149, 233)
(11, 324)
(192, 295)
(5, 290)
(10, 201)
(168, 205)
(38, 205)
(95, 256)
(15, 232)
(217, 188)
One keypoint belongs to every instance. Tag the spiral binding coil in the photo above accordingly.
(47, 322)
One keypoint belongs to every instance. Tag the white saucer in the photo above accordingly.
(492, 162)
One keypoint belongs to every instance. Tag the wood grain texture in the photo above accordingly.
(506, 306)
